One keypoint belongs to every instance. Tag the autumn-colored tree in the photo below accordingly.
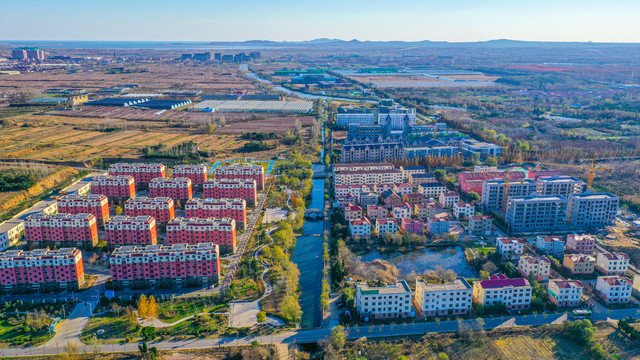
(143, 306)
(152, 311)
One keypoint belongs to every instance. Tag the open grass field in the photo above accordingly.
(81, 139)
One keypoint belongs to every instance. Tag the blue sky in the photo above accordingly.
(237, 20)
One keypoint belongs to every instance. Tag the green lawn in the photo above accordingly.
(176, 309)
(115, 327)
(15, 332)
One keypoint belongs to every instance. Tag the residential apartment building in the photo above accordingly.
(509, 247)
(474, 180)
(179, 189)
(450, 299)
(419, 179)
(352, 212)
(413, 226)
(367, 177)
(125, 230)
(579, 264)
(462, 210)
(390, 198)
(60, 230)
(612, 263)
(438, 226)
(94, 204)
(480, 224)
(402, 189)
(41, 270)
(11, 231)
(493, 192)
(114, 187)
(515, 294)
(539, 266)
(591, 209)
(536, 213)
(235, 209)
(221, 232)
(413, 199)
(242, 171)
(614, 289)
(560, 185)
(142, 173)
(360, 228)
(362, 167)
(375, 212)
(552, 245)
(383, 302)
(355, 190)
(386, 226)
(449, 199)
(375, 152)
(472, 147)
(412, 170)
(565, 293)
(367, 199)
(402, 211)
(231, 189)
(432, 190)
(161, 209)
(178, 265)
(581, 244)
(425, 211)
(349, 115)
(197, 173)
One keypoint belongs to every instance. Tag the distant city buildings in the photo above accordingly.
(27, 54)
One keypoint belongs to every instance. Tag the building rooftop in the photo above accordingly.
(401, 287)
(616, 280)
(457, 284)
(498, 281)
(566, 284)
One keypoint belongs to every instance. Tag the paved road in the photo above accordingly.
(312, 336)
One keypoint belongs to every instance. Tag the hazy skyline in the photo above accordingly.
(280, 20)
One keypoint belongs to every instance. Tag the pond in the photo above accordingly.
(421, 260)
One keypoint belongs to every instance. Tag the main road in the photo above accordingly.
(312, 336)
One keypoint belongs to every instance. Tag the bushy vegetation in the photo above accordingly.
(255, 146)
(260, 136)
(16, 182)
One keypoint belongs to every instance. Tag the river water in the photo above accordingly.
(307, 254)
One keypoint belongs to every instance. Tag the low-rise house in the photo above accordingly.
(552, 245)
(515, 294)
(425, 211)
(448, 199)
(369, 199)
(461, 210)
(438, 226)
(432, 189)
(539, 266)
(581, 244)
(509, 247)
(614, 289)
(375, 212)
(565, 293)
(383, 302)
(480, 224)
(450, 299)
(344, 200)
(402, 211)
(390, 198)
(352, 212)
(412, 226)
(403, 189)
(413, 199)
(579, 264)
(360, 227)
(386, 226)
(612, 263)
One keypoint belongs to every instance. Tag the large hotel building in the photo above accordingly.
(161, 266)
(221, 232)
(61, 230)
(41, 270)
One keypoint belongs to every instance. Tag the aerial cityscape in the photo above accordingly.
(439, 192)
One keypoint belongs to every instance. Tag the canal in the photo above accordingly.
(307, 254)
